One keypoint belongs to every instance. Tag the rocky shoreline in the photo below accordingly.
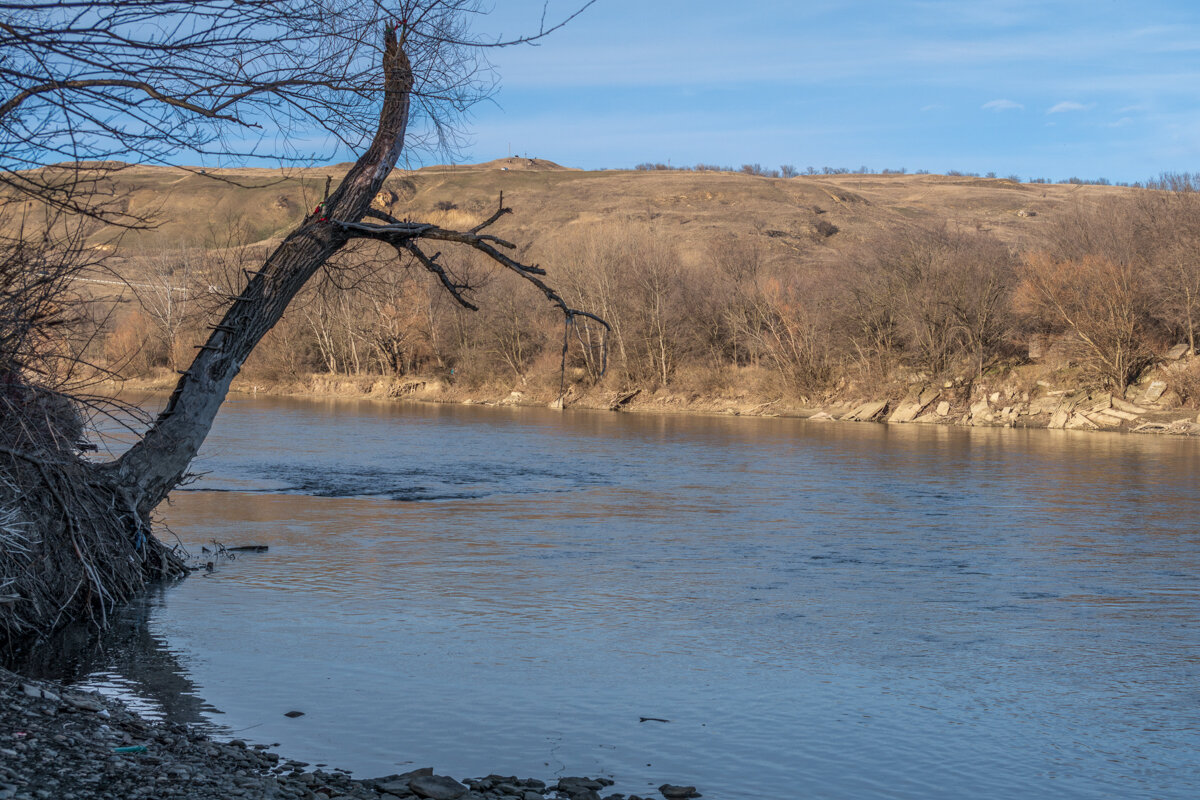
(57, 743)
(1145, 408)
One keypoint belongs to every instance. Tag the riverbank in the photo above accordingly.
(1025, 396)
(57, 743)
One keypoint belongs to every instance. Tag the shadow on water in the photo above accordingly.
(127, 660)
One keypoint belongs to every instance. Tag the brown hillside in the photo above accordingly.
(687, 208)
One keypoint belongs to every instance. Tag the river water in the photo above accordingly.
(818, 610)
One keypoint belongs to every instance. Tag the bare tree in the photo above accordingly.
(1100, 302)
(143, 79)
(1168, 229)
(929, 294)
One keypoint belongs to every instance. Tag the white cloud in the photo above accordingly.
(1068, 105)
(1002, 105)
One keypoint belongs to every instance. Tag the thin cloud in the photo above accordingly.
(1067, 105)
(1002, 105)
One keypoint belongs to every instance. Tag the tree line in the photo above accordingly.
(1107, 288)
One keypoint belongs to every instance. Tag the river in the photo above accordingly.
(816, 610)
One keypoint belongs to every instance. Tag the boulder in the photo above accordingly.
(1044, 405)
(1153, 392)
(867, 411)
(1127, 407)
(573, 785)
(1101, 419)
(1178, 351)
(436, 787)
(678, 792)
(943, 409)
(399, 784)
(912, 406)
(1080, 422)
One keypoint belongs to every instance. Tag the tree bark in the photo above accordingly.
(158, 462)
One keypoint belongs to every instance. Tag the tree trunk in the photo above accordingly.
(156, 464)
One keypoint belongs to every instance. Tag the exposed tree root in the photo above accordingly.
(71, 545)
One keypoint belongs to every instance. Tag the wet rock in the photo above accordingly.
(63, 754)
(569, 785)
(678, 792)
(39, 693)
(436, 787)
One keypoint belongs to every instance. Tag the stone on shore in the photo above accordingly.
(1153, 392)
(437, 787)
(68, 744)
(678, 792)
(866, 412)
(1080, 422)
(1128, 407)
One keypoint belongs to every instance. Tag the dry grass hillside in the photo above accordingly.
(725, 290)
(193, 209)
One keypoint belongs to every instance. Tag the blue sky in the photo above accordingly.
(1056, 88)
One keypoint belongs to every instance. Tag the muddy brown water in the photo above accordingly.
(819, 610)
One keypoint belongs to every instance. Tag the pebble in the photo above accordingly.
(65, 752)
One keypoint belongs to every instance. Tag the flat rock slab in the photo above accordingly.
(866, 412)
(1153, 392)
(678, 792)
(437, 787)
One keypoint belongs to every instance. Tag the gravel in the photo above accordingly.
(57, 743)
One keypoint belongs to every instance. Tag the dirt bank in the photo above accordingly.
(1024, 396)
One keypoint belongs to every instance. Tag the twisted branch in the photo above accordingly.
(404, 235)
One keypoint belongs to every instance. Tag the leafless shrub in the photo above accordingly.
(927, 296)
(1101, 302)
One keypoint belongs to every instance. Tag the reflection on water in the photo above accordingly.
(127, 662)
(819, 610)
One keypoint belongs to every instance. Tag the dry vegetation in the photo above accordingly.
(716, 284)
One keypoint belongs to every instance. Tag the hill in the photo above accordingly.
(198, 207)
(726, 290)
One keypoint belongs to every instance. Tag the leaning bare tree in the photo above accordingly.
(140, 80)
